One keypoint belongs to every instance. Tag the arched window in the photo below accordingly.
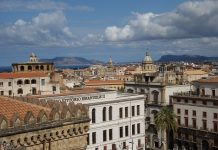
(20, 91)
(33, 81)
(29, 68)
(47, 67)
(104, 114)
(155, 96)
(21, 68)
(19, 82)
(27, 81)
(110, 113)
(37, 67)
(41, 67)
(93, 115)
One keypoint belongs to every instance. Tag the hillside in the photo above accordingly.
(71, 61)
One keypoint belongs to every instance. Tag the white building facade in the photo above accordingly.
(117, 120)
(29, 83)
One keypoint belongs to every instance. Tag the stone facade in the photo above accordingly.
(55, 127)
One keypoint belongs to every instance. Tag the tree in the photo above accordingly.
(165, 121)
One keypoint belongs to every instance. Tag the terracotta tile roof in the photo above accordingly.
(103, 82)
(208, 80)
(14, 75)
(8, 107)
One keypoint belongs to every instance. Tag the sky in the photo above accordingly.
(98, 29)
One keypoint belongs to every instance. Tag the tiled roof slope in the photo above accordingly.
(9, 107)
(13, 75)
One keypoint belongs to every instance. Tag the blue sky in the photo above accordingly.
(97, 29)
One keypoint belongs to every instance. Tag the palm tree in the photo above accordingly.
(165, 121)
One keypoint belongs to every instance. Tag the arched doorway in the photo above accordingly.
(205, 145)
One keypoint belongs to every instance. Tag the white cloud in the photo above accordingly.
(46, 29)
(192, 19)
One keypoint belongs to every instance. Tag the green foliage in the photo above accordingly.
(166, 120)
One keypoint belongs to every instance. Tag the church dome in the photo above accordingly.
(147, 58)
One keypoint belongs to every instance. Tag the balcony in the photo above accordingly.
(195, 95)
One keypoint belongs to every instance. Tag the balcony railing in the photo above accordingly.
(194, 94)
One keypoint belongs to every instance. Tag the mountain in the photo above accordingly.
(186, 58)
(71, 61)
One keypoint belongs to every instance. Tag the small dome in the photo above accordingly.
(147, 58)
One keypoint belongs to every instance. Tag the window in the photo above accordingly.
(110, 134)
(178, 111)
(194, 101)
(194, 123)
(93, 115)
(110, 113)
(27, 81)
(20, 91)
(9, 83)
(139, 143)
(1, 83)
(155, 96)
(9, 92)
(2, 93)
(186, 112)
(194, 113)
(138, 128)
(126, 111)
(204, 114)
(121, 132)
(215, 126)
(104, 135)
(124, 145)
(186, 101)
(42, 82)
(213, 92)
(178, 100)
(204, 124)
(133, 110)
(53, 88)
(121, 112)
(215, 103)
(114, 147)
(105, 147)
(138, 110)
(186, 121)
(178, 120)
(104, 114)
(29, 68)
(87, 139)
(133, 129)
(215, 115)
(93, 137)
(126, 131)
(19, 82)
(33, 81)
